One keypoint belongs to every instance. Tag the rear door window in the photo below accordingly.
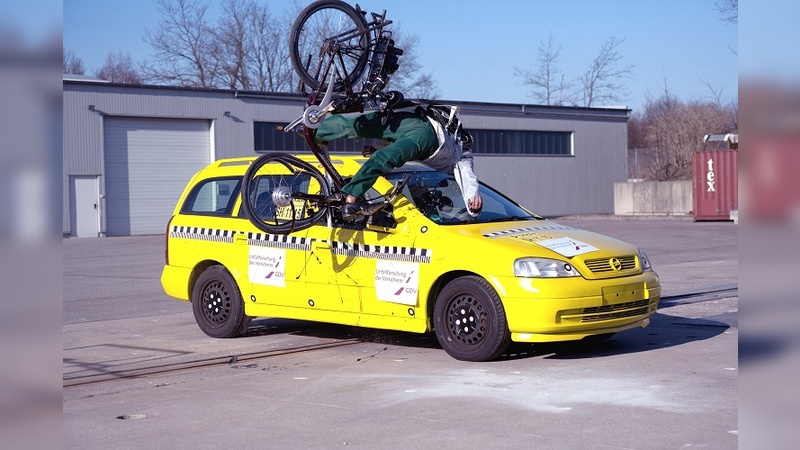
(215, 196)
(266, 185)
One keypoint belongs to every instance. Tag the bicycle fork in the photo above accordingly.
(314, 114)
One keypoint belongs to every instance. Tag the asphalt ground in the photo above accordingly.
(138, 372)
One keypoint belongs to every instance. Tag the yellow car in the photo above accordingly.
(422, 264)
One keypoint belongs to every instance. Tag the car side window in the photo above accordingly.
(215, 196)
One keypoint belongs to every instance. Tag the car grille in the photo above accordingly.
(605, 264)
(616, 311)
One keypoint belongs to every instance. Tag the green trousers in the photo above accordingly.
(411, 139)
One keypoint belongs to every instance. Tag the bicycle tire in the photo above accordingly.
(305, 42)
(296, 179)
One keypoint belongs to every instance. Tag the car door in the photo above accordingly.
(335, 277)
(274, 263)
(368, 269)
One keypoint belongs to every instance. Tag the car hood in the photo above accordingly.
(599, 255)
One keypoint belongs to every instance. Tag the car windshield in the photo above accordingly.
(437, 196)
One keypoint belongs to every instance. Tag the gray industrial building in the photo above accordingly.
(129, 150)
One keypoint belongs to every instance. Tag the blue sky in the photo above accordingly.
(472, 47)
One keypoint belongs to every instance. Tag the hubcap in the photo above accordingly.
(467, 319)
(216, 302)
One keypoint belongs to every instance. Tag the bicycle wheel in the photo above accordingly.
(282, 194)
(321, 23)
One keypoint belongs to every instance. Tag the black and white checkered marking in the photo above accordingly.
(203, 234)
(408, 254)
(278, 241)
(526, 230)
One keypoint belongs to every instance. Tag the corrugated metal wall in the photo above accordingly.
(147, 163)
(557, 185)
(549, 185)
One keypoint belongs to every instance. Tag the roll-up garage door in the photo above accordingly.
(147, 165)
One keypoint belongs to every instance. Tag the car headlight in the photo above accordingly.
(644, 261)
(543, 268)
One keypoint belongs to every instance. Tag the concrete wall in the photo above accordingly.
(653, 198)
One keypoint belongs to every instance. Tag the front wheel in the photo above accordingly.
(325, 30)
(470, 321)
(282, 194)
(217, 304)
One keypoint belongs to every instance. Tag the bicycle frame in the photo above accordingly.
(352, 101)
(380, 56)
(331, 47)
(324, 159)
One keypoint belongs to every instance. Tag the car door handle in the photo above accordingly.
(321, 245)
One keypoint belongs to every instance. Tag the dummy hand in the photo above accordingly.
(368, 150)
(475, 204)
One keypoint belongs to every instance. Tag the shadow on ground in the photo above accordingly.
(665, 331)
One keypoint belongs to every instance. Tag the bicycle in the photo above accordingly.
(344, 44)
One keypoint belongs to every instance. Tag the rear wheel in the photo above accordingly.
(217, 304)
(288, 195)
(470, 321)
(322, 32)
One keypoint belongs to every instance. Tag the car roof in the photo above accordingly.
(346, 165)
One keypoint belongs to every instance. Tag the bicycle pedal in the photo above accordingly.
(351, 211)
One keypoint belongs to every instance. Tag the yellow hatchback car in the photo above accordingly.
(422, 264)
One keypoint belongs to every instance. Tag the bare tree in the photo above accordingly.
(636, 132)
(231, 43)
(409, 78)
(547, 81)
(670, 130)
(601, 81)
(268, 62)
(72, 63)
(716, 94)
(118, 68)
(247, 49)
(184, 46)
(728, 10)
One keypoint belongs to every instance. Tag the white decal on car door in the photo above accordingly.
(397, 282)
(267, 266)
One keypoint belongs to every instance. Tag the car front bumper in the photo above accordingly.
(563, 309)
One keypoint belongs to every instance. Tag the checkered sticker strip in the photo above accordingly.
(278, 241)
(409, 254)
(202, 234)
(526, 230)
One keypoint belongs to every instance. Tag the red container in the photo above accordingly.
(773, 185)
(715, 182)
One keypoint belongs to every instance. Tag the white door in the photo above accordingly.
(84, 198)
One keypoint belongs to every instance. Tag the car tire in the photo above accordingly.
(470, 321)
(217, 304)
